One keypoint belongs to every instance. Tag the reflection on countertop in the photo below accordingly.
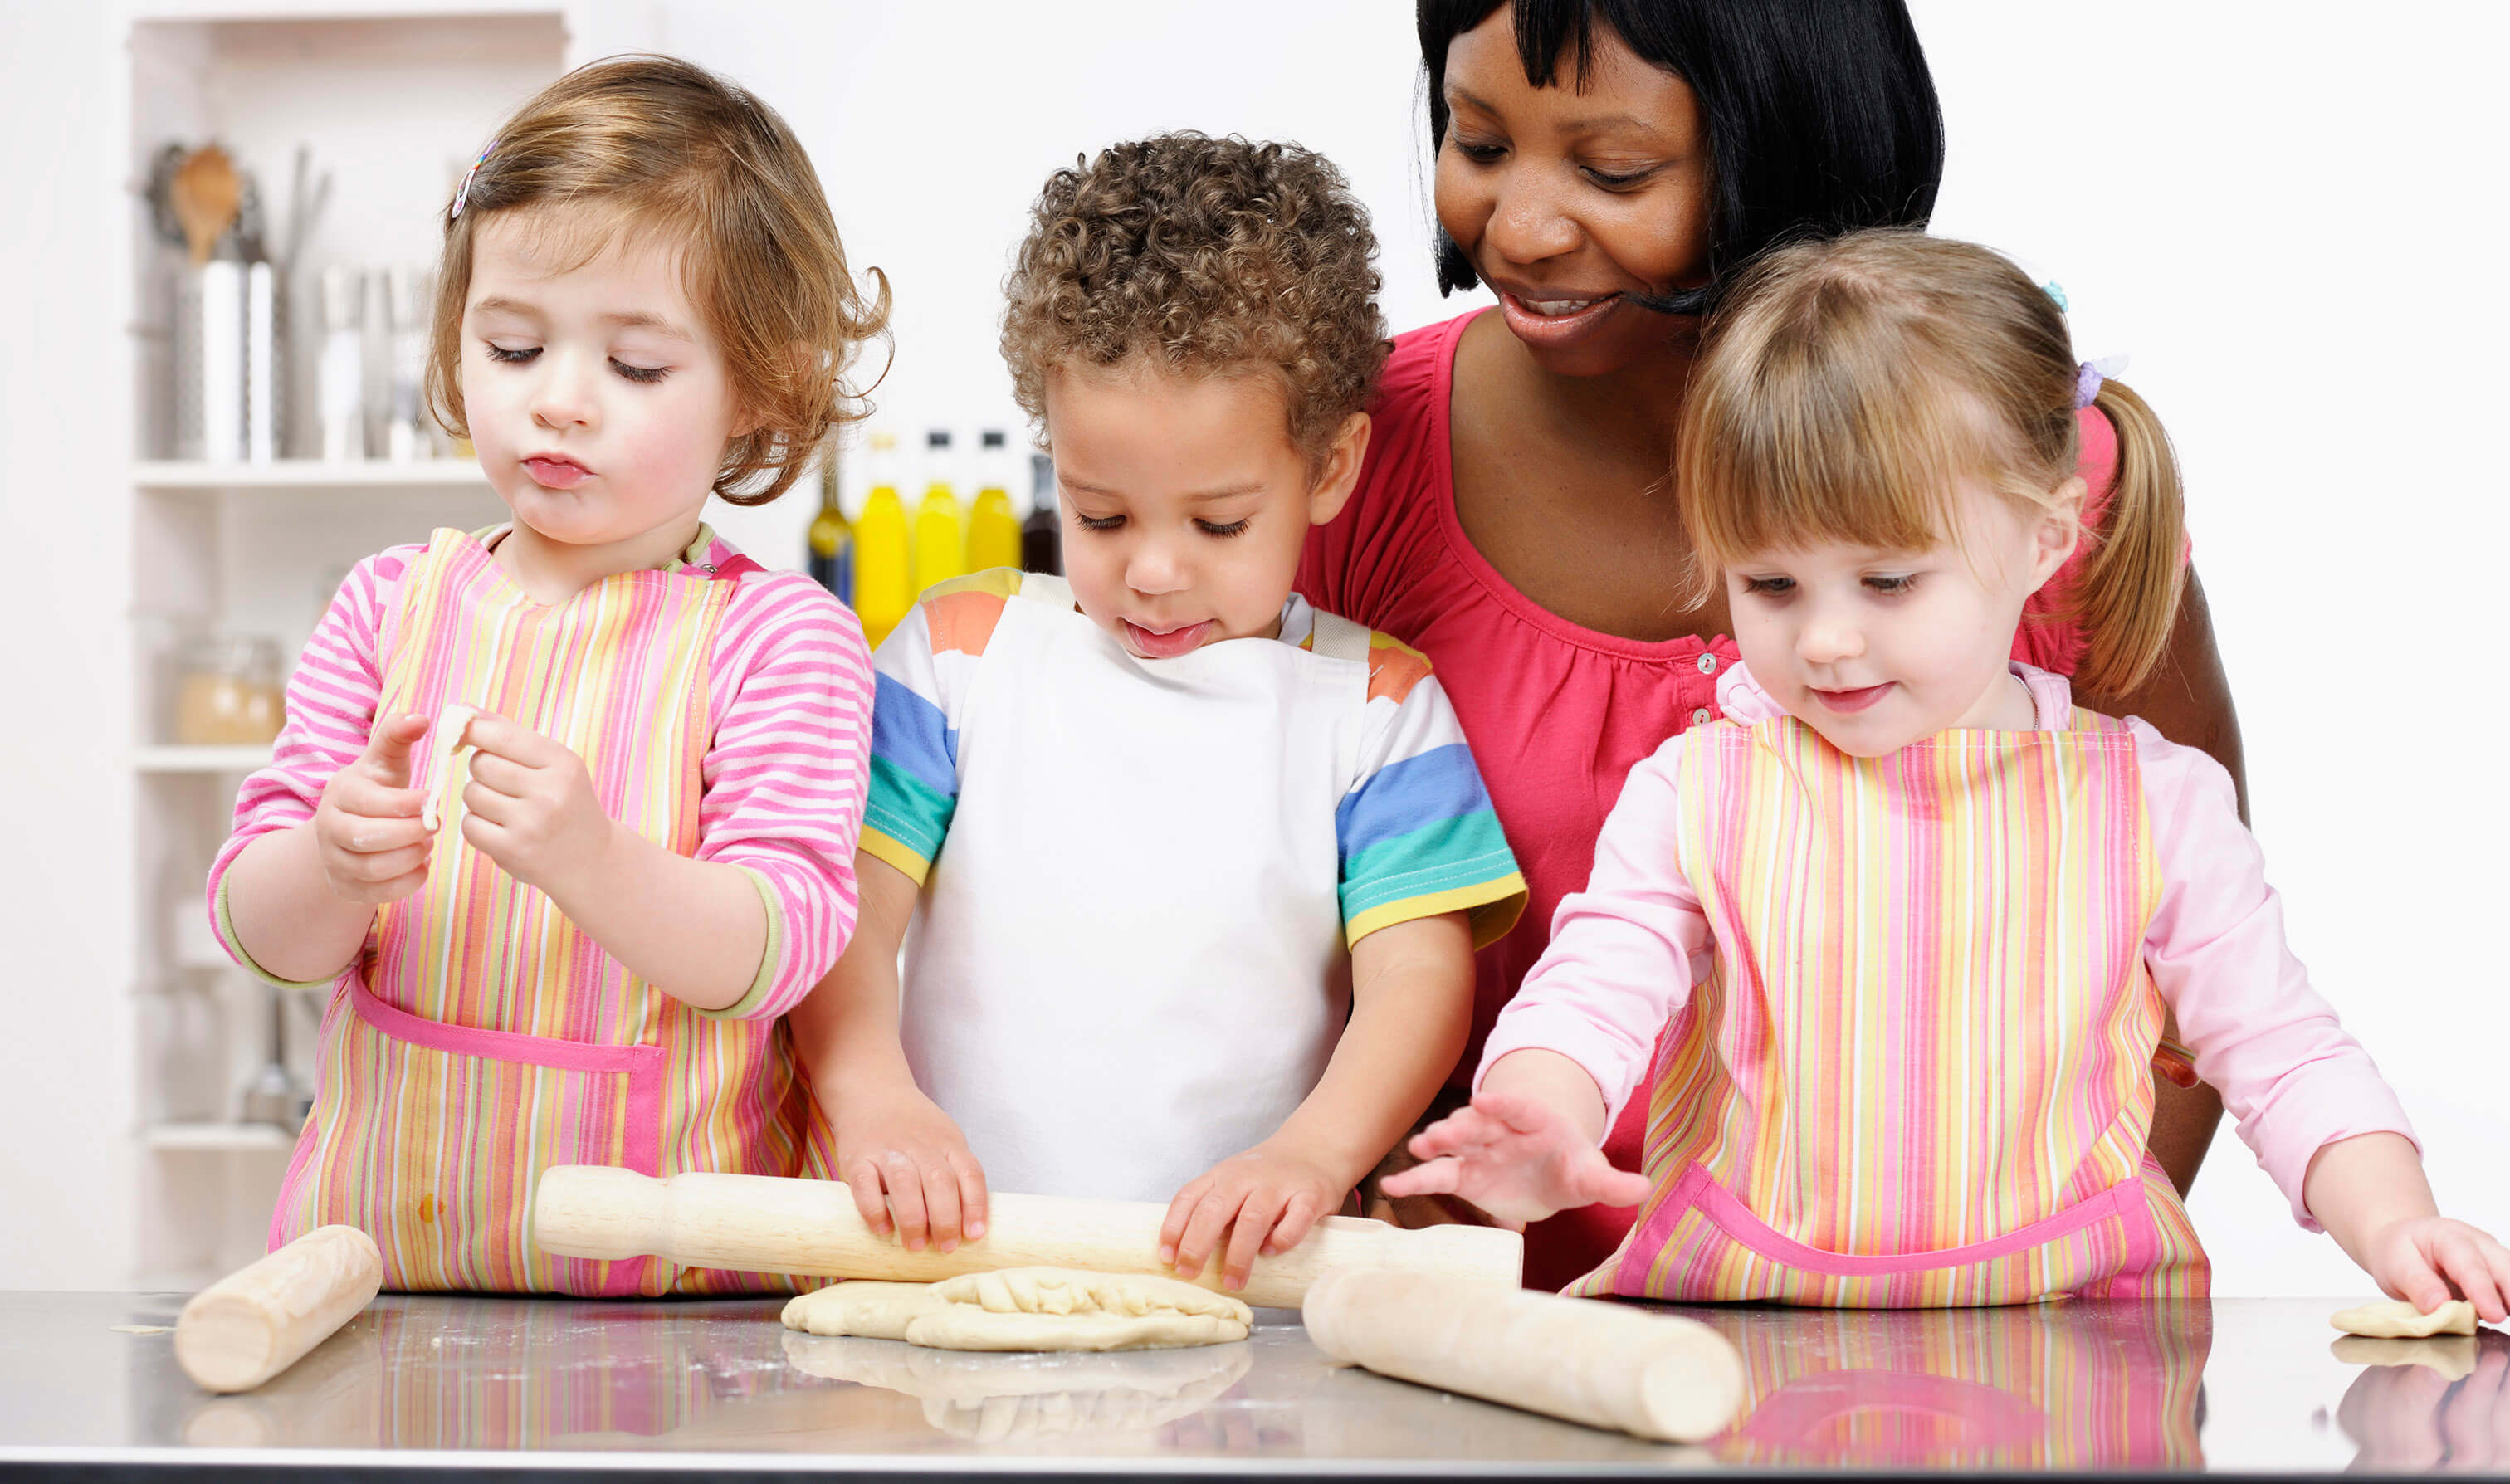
(2253, 1385)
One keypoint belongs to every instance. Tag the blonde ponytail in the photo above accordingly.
(2127, 599)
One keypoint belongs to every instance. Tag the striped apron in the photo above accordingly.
(1919, 1073)
(481, 1037)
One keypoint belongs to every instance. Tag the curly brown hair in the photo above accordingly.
(1211, 256)
(664, 147)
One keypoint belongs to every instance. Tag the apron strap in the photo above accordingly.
(1339, 638)
(1047, 589)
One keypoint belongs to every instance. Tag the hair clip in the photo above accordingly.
(2090, 374)
(2057, 291)
(463, 194)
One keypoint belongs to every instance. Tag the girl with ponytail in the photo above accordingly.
(1889, 947)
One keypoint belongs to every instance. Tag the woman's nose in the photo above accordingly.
(1525, 223)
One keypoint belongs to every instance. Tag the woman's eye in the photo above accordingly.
(1891, 587)
(1613, 180)
(1233, 528)
(514, 357)
(1476, 152)
(1100, 523)
(645, 375)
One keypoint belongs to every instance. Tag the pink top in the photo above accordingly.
(1625, 951)
(1557, 715)
(783, 774)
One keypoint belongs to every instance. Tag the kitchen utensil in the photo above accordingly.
(340, 367)
(206, 192)
(273, 1096)
(1657, 1376)
(406, 293)
(766, 1223)
(253, 1324)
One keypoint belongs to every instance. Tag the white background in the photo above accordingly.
(2289, 216)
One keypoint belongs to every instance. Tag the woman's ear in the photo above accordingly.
(2059, 531)
(1340, 474)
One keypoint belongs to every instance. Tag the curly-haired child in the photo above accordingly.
(648, 858)
(1170, 827)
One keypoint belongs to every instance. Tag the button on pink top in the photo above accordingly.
(1557, 715)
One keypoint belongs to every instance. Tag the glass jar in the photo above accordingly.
(228, 691)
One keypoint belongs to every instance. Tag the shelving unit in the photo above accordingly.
(393, 96)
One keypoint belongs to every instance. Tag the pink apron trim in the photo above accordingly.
(1738, 1223)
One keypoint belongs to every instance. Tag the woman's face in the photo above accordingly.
(1566, 199)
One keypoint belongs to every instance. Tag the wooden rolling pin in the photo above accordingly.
(1657, 1376)
(250, 1325)
(763, 1224)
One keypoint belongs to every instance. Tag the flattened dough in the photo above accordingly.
(1027, 1309)
(870, 1309)
(2397, 1320)
(2451, 1356)
(443, 743)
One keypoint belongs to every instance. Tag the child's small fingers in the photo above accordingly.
(1449, 1134)
(941, 1206)
(1431, 1177)
(503, 775)
(1618, 1187)
(396, 888)
(1202, 1230)
(1298, 1218)
(905, 1198)
(971, 1177)
(1181, 1210)
(1248, 1234)
(486, 803)
(863, 1178)
(2462, 1264)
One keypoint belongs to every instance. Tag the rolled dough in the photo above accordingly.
(994, 1397)
(1027, 1309)
(444, 742)
(2397, 1320)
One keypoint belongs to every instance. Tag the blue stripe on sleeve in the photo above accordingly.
(1441, 784)
(912, 735)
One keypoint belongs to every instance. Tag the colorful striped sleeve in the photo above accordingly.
(783, 775)
(924, 667)
(1419, 837)
(330, 711)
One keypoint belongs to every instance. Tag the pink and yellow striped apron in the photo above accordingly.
(483, 1037)
(1919, 1073)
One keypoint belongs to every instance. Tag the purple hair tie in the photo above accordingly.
(2089, 376)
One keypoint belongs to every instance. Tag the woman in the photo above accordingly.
(1603, 164)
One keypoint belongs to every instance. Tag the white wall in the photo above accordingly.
(2285, 216)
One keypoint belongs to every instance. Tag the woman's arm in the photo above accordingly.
(2187, 698)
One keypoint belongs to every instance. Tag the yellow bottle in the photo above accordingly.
(940, 526)
(884, 587)
(993, 526)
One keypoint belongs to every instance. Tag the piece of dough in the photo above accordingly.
(1027, 1309)
(443, 740)
(873, 1311)
(995, 1398)
(2397, 1320)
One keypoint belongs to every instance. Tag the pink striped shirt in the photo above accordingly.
(783, 775)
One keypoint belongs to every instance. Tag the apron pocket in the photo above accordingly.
(1704, 1245)
(430, 1138)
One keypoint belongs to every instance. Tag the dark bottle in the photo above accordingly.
(832, 540)
(1042, 533)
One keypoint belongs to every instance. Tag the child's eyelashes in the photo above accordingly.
(1892, 584)
(524, 355)
(1099, 523)
(1233, 528)
(1769, 586)
(1113, 523)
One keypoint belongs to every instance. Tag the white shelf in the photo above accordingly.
(183, 477)
(172, 757)
(217, 1137)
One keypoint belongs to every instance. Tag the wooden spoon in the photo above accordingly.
(206, 192)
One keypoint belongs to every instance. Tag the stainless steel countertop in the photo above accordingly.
(2253, 1385)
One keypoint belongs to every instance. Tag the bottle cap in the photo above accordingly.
(938, 437)
(995, 438)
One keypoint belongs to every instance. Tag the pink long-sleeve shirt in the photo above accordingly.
(783, 774)
(1625, 952)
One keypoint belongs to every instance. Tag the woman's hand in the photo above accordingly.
(1518, 1158)
(910, 1169)
(531, 806)
(2423, 1258)
(1266, 1199)
(366, 829)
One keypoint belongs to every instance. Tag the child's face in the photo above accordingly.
(1875, 650)
(1184, 501)
(598, 400)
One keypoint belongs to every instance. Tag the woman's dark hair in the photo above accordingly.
(1821, 115)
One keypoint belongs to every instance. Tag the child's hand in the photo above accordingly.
(366, 829)
(2421, 1258)
(1517, 1158)
(531, 805)
(1265, 1198)
(910, 1170)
